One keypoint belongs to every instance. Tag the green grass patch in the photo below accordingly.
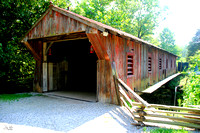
(165, 130)
(14, 97)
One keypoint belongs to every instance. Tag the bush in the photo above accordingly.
(164, 130)
(191, 93)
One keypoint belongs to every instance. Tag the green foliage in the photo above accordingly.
(152, 40)
(194, 44)
(191, 94)
(14, 97)
(181, 59)
(138, 17)
(62, 3)
(167, 41)
(129, 103)
(93, 9)
(192, 89)
(194, 60)
(165, 130)
(16, 18)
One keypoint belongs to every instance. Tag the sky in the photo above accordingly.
(183, 18)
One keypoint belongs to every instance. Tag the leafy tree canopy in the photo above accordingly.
(137, 17)
(17, 16)
(194, 44)
(167, 41)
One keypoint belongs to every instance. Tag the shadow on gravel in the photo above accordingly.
(65, 115)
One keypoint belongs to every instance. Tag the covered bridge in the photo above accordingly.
(75, 53)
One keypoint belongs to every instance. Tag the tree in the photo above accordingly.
(93, 9)
(167, 41)
(137, 17)
(17, 16)
(194, 44)
(145, 19)
(191, 93)
(61, 3)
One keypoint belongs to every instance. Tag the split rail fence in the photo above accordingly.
(155, 113)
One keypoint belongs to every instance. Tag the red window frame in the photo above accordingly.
(149, 63)
(160, 63)
(130, 64)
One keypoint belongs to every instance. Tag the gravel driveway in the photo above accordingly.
(54, 114)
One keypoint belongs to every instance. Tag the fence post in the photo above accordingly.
(115, 77)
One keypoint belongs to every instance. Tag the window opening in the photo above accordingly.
(166, 63)
(160, 63)
(149, 64)
(129, 64)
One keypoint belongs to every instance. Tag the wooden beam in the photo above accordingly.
(97, 43)
(115, 77)
(169, 122)
(159, 84)
(134, 94)
(190, 120)
(168, 107)
(63, 37)
(35, 55)
(68, 36)
(48, 47)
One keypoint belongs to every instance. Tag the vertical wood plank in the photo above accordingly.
(44, 67)
(115, 77)
(142, 67)
(98, 81)
(50, 75)
(44, 77)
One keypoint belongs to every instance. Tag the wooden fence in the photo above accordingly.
(155, 113)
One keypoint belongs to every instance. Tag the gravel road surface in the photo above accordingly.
(54, 114)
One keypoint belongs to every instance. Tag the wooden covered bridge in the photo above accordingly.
(73, 52)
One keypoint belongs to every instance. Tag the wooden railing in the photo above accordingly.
(143, 112)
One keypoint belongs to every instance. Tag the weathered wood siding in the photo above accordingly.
(54, 23)
(109, 49)
(117, 48)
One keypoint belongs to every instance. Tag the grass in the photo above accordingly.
(165, 130)
(14, 97)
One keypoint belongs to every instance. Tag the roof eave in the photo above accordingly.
(92, 23)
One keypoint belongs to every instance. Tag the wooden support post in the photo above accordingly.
(44, 66)
(144, 103)
(35, 55)
(46, 51)
(115, 77)
(97, 43)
